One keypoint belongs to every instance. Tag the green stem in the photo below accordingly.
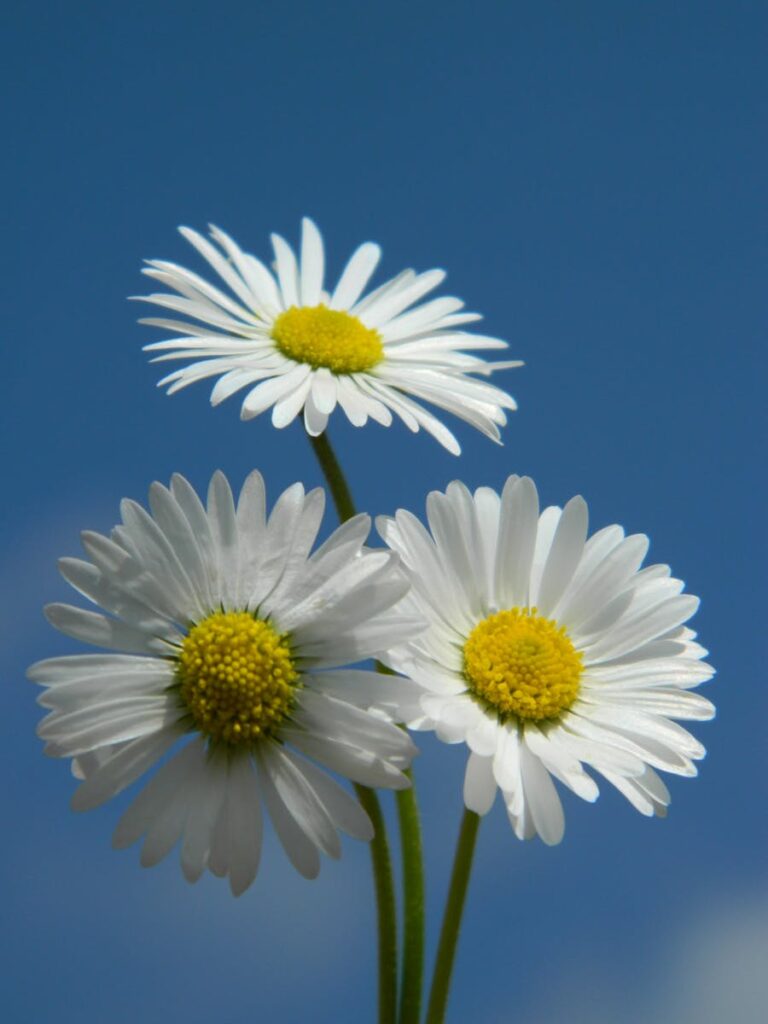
(449, 934)
(385, 906)
(342, 497)
(380, 858)
(413, 896)
(413, 905)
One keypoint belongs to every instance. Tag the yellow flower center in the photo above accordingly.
(235, 678)
(522, 665)
(327, 337)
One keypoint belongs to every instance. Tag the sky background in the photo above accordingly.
(593, 178)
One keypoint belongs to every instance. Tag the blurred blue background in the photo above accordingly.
(593, 178)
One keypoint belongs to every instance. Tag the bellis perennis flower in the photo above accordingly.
(227, 635)
(297, 347)
(547, 652)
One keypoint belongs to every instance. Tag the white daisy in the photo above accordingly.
(230, 632)
(298, 347)
(547, 651)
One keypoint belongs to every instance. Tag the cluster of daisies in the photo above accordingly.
(238, 652)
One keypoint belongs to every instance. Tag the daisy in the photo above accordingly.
(546, 652)
(227, 633)
(296, 346)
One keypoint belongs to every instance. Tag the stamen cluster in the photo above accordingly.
(236, 677)
(522, 665)
(329, 338)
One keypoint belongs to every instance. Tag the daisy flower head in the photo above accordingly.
(547, 652)
(295, 347)
(226, 637)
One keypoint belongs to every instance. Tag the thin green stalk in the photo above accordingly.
(380, 858)
(413, 905)
(454, 906)
(385, 906)
(412, 975)
(340, 492)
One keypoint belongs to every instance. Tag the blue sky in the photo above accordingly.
(592, 177)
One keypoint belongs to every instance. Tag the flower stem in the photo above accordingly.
(385, 906)
(380, 858)
(413, 905)
(449, 934)
(342, 496)
(412, 975)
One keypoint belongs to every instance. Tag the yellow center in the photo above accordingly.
(522, 665)
(235, 678)
(327, 337)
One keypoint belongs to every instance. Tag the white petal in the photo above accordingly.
(649, 672)
(330, 718)
(542, 799)
(101, 673)
(649, 748)
(482, 738)
(358, 406)
(277, 542)
(395, 284)
(564, 555)
(429, 572)
(452, 548)
(312, 263)
(324, 391)
(254, 273)
(92, 628)
(171, 519)
(647, 793)
(635, 721)
(669, 703)
(506, 765)
(301, 851)
(300, 799)
(221, 516)
(217, 261)
(421, 319)
(167, 826)
(355, 276)
(123, 602)
(346, 610)
(128, 763)
(155, 552)
(603, 583)
(558, 760)
(388, 306)
(95, 725)
(244, 825)
(197, 518)
(197, 289)
(210, 793)
(342, 808)
(237, 379)
(518, 524)
(368, 640)
(634, 631)
(366, 689)
(291, 567)
(545, 532)
(315, 421)
(287, 409)
(287, 271)
(273, 390)
(153, 801)
(358, 765)
(479, 784)
(251, 526)
(466, 516)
